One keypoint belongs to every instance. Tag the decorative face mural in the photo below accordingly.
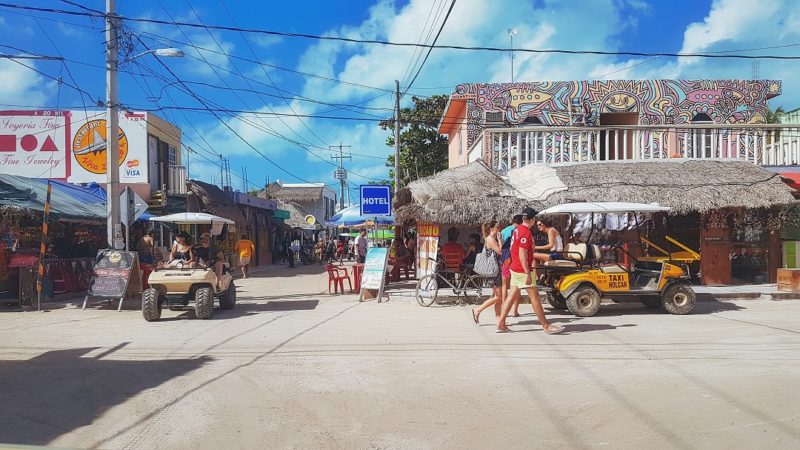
(657, 102)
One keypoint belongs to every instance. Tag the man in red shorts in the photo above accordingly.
(522, 275)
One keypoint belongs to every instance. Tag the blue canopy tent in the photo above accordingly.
(351, 217)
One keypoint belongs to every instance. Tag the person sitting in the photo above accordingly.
(474, 248)
(401, 256)
(209, 255)
(181, 252)
(554, 245)
(452, 251)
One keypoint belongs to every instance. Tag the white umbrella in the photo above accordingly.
(192, 218)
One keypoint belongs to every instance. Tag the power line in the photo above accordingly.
(431, 47)
(269, 77)
(398, 44)
(43, 57)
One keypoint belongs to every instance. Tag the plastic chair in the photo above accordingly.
(336, 276)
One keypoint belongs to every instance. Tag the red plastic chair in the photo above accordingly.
(336, 276)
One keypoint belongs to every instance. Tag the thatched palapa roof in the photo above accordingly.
(214, 200)
(473, 194)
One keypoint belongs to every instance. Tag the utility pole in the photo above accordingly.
(396, 136)
(113, 226)
(221, 170)
(341, 173)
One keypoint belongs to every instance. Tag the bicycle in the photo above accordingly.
(466, 284)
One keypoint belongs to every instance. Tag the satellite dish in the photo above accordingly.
(311, 220)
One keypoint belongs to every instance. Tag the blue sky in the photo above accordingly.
(360, 75)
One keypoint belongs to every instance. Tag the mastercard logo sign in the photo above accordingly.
(89, 146)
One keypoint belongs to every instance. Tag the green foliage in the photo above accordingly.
(423, 151)
(774, 116)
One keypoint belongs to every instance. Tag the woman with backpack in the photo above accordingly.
(488, 264)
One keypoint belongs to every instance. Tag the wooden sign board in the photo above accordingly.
(115, 275)
(374, 275)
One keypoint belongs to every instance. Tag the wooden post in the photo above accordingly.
(43, 248)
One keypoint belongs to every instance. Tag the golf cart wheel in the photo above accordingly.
(474, 292)
(228, 299)
(651, 302)
(678, 298)
(584, 302)
(151, 308)
(427, 290)
(204, 303)
(557, 301)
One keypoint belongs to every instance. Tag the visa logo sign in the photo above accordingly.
(132, 173)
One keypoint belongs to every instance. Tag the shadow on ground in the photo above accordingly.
(61, 390)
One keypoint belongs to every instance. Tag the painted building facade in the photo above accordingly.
(475, 107)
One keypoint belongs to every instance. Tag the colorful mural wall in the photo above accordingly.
(657, 102)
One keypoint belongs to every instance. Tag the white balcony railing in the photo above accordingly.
(176, 181)
(769, 145)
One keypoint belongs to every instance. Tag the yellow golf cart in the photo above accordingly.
(580, 281)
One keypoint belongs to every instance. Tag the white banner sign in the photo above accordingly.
(374, 269)
(427, 248)
(34, 144)
(88, 145)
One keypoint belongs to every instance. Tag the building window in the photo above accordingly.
(172, 156)
(702, 138)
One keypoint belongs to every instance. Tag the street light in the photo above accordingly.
(113, 227)
(511, 33)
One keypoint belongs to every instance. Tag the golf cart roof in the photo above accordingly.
(603, 207)
(192, 218)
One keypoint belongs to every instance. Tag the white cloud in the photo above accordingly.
(265, 41)
(22, 86)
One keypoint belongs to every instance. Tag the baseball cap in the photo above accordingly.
(529, 213)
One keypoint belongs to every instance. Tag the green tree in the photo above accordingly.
(774, 116)
(423, 151)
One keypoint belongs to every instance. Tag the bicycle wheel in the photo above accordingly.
(427, 290)
(473, 289)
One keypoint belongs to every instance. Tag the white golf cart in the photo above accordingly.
(185, 286)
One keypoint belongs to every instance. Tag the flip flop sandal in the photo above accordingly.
(554, 329)
(504, 330)
(475, 317)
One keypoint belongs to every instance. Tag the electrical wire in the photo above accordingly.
(397, 44)
(269, 77)
(430, 48)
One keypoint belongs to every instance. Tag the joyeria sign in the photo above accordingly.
(35, 144)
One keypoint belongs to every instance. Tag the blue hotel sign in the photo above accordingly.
(376, 200)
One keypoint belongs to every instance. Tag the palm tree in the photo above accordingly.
(775, 116)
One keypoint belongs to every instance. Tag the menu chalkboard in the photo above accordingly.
(113, 271)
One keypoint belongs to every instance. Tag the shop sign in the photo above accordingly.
(88, 145)
(113, 272)
(376, 200)
(427, 248)
(374, 275)
(35, 144)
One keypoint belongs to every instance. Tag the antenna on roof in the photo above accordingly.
(756, 68)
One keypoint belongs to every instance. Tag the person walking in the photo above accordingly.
(245, 248)
(522, 275)
(505, 257)
(361, 247)
(491, 240)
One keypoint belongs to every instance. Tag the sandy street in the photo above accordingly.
(294, 367)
